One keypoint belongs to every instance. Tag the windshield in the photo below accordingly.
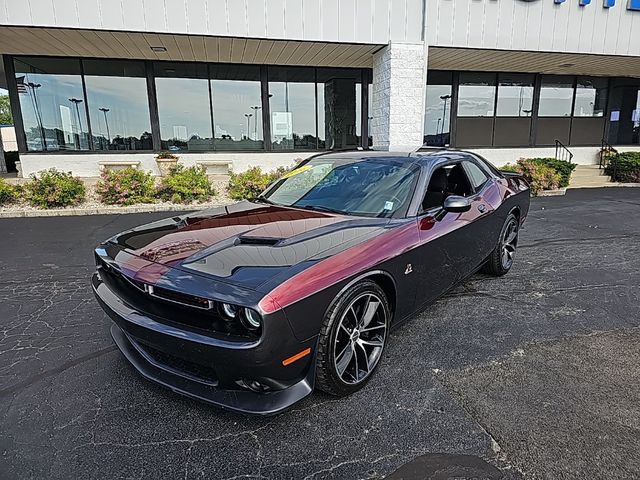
(375, 187)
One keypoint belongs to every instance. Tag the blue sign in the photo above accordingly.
(631, 4)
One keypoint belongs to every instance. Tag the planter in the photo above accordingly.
(165, 165)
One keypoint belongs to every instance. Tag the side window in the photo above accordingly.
(445, 181)
(476, 176)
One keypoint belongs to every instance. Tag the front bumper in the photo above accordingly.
(138, 336)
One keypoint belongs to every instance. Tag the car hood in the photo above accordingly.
(246, 244)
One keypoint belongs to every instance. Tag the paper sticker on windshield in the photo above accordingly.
(304, 168)
(388, 205)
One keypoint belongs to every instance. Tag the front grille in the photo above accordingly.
(178, 365)
(173, 308)
(178, 297)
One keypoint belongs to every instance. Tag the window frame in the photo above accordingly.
(364, 76)
(422, 191)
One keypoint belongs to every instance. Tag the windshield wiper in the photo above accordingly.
(321, 208)
(263, 199)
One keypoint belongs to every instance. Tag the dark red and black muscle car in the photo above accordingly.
(253, 305)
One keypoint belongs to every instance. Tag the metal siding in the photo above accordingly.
(293, 19)
(111, 18)
(155, 19)
(381, 21)
(134, 15)
(535, 26)
(398, 21)
(364, 20)
(237, 10)
(176, 15)
(347, 20)
(311, 20)
(275, 19)
(197, 16)
(42, 12)
(329, 19)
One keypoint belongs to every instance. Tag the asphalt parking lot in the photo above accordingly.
(536, 372)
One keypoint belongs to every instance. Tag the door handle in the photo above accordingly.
(482, 208)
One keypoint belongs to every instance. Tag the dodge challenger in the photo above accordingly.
(251, 306)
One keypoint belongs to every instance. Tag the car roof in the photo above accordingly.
(424, 156)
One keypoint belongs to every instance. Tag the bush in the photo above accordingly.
(624, 167)
(539, 175)
(125, 187)
(253, 182)
(167, 156)
(562, 167)
(9, 193)
(53, 188)
(186, 185)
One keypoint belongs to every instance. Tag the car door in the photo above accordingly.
(452, 245)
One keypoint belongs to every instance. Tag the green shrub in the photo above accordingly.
(624, 167)
(562, 167)
(9, 193)
(53, 188)
(186, 185)
(251, 183)
(167, 156)
(539, 175)
(125, 187)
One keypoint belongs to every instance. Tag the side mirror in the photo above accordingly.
(457, 204)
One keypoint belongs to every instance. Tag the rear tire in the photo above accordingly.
(501, 259)
(352, 339)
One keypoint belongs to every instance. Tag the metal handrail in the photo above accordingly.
(562, 152)
(606, 151)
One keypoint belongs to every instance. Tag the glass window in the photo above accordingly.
(556, 96)
(476, 94)
(118, 105)
(52, 104)
(437, 113)
(237, 107)
(591, 97)
(339, 107)
(184, 107)
(476, 176)
(515, 95)
(374, 188)
(292, 94)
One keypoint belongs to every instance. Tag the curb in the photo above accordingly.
(63, 212)
(608, 185)
(552, 193)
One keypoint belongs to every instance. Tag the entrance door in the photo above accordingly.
(624, 119)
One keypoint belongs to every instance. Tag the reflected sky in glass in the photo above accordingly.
(437, 112)
(292, 115)
(52, 120)
(232, 103)
(183, 108)
(119, 109)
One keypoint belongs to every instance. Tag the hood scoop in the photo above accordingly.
(268, 241)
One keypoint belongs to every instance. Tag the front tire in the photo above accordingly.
(352, 339)
(501, 259)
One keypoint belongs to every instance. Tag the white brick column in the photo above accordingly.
(399, 84)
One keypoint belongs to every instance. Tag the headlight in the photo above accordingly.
(251, 318)
(230, 311)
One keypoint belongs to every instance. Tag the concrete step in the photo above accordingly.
(589, 176)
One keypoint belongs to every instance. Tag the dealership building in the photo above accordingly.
(233, 83)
